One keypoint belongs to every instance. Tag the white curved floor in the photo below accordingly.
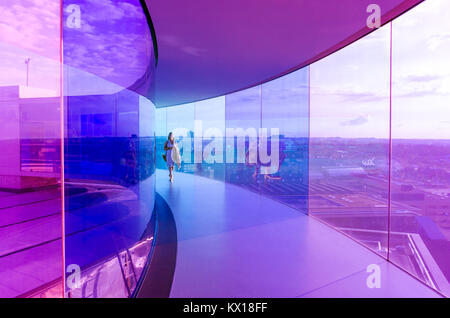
(235, 243)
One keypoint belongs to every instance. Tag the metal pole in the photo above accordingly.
(27, 62)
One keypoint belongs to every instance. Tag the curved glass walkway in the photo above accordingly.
(235, 243)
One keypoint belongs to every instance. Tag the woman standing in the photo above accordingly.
(172, 152)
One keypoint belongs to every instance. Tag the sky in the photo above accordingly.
(350, 89)
(111, 44)
(30, 29)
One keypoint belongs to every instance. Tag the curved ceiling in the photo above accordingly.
(210, 48)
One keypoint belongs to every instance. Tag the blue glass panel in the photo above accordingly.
(285, 108)
(109, 148)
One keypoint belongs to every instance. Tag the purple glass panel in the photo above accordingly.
(242, 123)
(243, 109)
(210, 121)
(349, 145)
(30, 139)
(110, 40)
(109, 149)
(420, 195)
(285, 107)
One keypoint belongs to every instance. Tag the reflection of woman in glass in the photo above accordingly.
(172, 154)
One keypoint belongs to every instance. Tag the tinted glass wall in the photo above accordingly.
(77, 180)
(379, 142)
(362, 141)
(109, 147)
(420, 175)
(358, 140)
(349, 154)
(30, 138)
(255, 138)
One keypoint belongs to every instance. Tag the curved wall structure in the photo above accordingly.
(109, 61)
(347, 125)
(77, 189)
(355, 138)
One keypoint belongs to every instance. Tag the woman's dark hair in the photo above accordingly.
(168, 136)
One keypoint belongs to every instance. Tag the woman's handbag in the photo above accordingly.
(164, 157)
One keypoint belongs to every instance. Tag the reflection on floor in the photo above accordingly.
(30, 240)
(236, 243)
(104, 226)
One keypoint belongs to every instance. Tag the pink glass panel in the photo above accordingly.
(349, 140)
(30, 139)
(420, 201)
